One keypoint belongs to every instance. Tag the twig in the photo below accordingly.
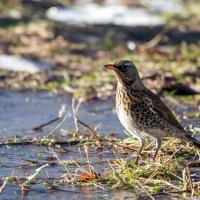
(60, 115)
(88, 160)
(190, 181)
(153, 42)
(77, 121)
(38, 128)
(75, 111)
(62, 163)
(173, 154)
(94, 135)
(187, 181)
(60, 124)
(123, 146)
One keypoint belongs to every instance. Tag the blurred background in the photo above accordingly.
(62, 45)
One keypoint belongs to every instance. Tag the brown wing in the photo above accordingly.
(162, 110)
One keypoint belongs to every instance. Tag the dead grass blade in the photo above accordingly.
(3, 186)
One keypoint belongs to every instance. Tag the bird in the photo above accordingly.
(141, 112)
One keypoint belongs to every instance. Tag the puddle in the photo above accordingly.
(41, 192)
(23, 110)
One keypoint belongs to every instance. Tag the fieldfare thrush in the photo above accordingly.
(141, 112)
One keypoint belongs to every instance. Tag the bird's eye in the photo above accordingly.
(124, 68)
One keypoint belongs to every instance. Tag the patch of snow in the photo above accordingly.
(93, 14)
(163, 6)
(19, 64)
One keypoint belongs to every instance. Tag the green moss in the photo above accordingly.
(104, 196)
(157, 188)
(47, 141)
(52, 85)
(41, 154)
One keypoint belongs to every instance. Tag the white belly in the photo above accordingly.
(125, 119)
(130, 126)
(127, 122)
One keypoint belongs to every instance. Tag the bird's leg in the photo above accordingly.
(142, 143)
(158, 144)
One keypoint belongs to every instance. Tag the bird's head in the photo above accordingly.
(126, 71)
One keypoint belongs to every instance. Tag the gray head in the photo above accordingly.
(126, 72)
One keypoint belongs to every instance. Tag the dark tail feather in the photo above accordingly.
(192, 140)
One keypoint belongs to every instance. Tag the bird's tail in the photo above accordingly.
(193, 141)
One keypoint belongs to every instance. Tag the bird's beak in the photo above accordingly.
(110, 66)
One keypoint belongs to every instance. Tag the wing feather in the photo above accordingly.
(162, 110)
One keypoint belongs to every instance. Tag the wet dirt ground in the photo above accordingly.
(21, 111)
